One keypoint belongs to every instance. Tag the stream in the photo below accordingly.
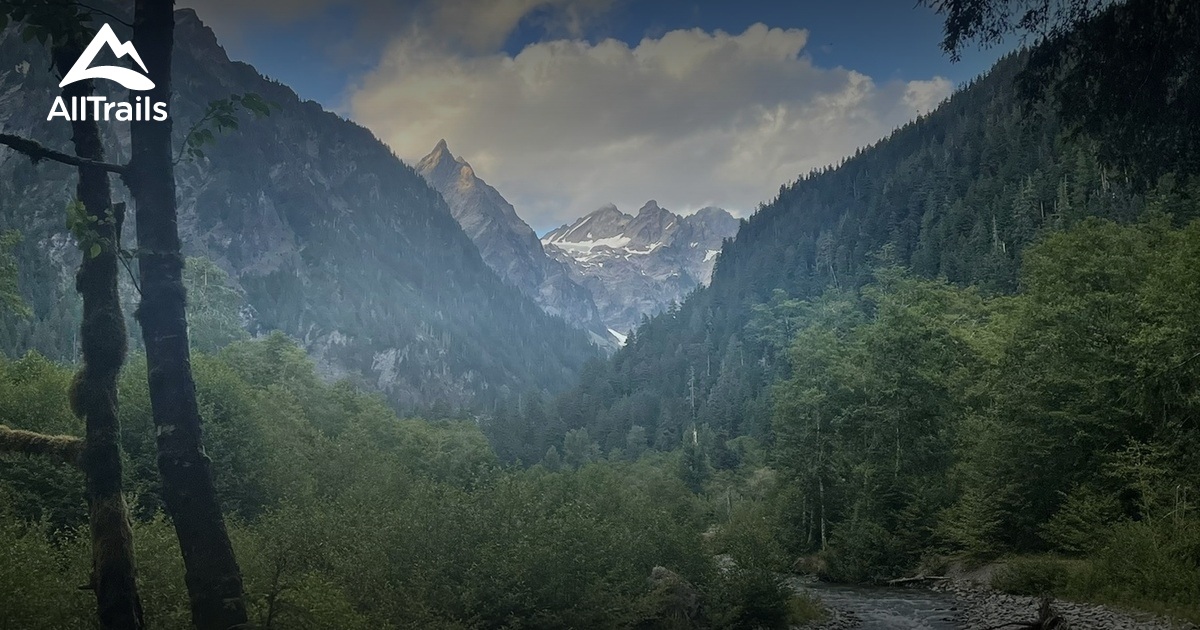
(880, 608)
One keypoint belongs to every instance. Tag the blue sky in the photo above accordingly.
(565, 105)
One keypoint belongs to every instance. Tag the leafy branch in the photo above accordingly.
(50, 20)
(84, 227)
(221, 116)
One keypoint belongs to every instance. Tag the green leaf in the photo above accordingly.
(94, 251)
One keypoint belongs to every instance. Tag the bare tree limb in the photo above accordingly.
(65, 449)
(37, 152)
(104, 13)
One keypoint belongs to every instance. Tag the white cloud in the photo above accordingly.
(690, 118)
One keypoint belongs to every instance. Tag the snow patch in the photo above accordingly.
(585, 247)
(711, 254)
(619, 337)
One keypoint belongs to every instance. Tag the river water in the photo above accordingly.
(890, 608)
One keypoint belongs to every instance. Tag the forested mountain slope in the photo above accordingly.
(332, 238)
(958, 194)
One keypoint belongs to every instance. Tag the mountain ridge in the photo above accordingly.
(637, 265)
(508, 245)
(331, 238)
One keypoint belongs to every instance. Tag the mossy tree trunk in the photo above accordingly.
(213, 578)
(94, 391)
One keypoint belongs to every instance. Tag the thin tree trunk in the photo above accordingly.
(821, 491)
(213, 579)
(94, 391)
(821, 481)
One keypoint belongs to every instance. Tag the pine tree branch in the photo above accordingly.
(38, 152)
(61, 448)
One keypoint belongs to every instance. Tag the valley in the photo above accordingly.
(277, 364)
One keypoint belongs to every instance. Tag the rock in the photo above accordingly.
(671, 597)
(981, 607)
(812, 564)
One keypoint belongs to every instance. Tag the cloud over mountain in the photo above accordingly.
(694, 117)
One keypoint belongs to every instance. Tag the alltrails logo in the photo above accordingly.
(98, 107)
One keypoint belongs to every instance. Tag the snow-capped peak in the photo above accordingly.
(637, 264)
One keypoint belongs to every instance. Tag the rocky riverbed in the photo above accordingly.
(980, 608)
(960, 605)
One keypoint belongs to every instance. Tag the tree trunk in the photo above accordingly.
(94, 391)
(213, 579)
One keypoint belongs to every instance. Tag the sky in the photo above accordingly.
(567, 105)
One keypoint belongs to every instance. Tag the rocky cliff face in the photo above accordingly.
(637, 265)
(508, 245)
(332, 238)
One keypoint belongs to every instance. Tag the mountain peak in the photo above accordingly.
(713, 219)
(651, 206)
(637, 265)
(606, 209)
(712, 211)
(507, 244)
(440, 162)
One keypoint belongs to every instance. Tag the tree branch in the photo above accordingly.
(104, 13)
(61, 448)
(38, 152)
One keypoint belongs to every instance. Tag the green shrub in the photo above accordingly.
(750, 599)
(39, 580)
(748, 592)
(1032, 576)
(1155, 566)
(805, 608)
(865, 551)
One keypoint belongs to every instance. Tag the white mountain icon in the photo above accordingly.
(131, 79)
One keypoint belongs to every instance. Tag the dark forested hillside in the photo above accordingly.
(332, 239)
(957, 194)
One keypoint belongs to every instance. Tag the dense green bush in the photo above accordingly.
(40, 579)
(748, 592)
(345, 516)
(1152, 565)
(1149, 565)
(1037, 576)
